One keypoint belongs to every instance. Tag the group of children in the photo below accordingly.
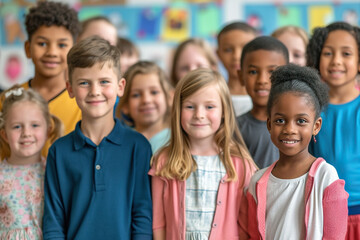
(174, 159)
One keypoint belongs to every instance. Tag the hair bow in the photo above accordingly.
(15, 92)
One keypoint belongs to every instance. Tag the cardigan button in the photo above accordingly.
(214, 225)
(219, 202)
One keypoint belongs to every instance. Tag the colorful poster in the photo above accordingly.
(289, 16)
(207, 20)
(176, 25)
(320, 16)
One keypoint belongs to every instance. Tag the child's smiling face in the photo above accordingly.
(339, 60)
(48, 49)
(292, 123)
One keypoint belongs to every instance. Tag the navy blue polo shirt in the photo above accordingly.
(98, 191)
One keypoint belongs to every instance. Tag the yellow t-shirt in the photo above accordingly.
(63, 107)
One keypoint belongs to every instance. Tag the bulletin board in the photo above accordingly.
(157, 28)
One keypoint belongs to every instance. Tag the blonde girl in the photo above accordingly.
(296, 40)
(198, 179)
(25, 125)
(191, 54)
(146, 102)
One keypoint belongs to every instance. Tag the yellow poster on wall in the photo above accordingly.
(320, 16)
(176, 24)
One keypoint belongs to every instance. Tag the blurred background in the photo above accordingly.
(157, 26)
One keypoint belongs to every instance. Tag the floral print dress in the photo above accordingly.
(21, 200)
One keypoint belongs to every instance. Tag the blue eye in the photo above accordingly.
(35, 125)
(189, 107)
(16, 127)
(155, 92)
(104, 82)
(252, 72)
(135, 95)
(62, 45)
(210, 107)
(83, 83)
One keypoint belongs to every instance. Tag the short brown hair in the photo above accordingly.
(93, 50)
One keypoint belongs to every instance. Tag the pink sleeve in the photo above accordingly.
(335, 210)
(243, 218)
(252, 226)
(157, 189)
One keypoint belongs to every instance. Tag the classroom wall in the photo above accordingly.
(158, 27)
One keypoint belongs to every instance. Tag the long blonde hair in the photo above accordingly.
(16, 95)
(180, 163)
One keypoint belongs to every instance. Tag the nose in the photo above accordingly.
(52, 50)
(336, 59)
(26, 131)
(263, 78)
(146, 97)
(237, 54)
(95, 89)
(199, 113)
(289, 128)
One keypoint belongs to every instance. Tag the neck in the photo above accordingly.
(289, 167)
(16, 160)
(341, 95)
(204, 148)
(259, 113)
(97, 129)
(235, 87)
(150, 131)
(48, 87)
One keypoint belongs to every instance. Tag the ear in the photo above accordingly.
(317, 126)
(27, 49)
(121, 87)
(3, 135)
(242, 82)
(268, 124)
(70, 89)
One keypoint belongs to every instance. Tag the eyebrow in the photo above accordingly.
(254, 66)
(44, 38)
(298, 115)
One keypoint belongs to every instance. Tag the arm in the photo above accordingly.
(54, 214)
(142, 204)
(252, 226)
(242, 221)
(158, 207)
(335, 210)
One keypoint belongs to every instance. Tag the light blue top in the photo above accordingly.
(339, 143)
(160, 139)
(201, 192)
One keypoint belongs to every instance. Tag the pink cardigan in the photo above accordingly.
(230, 214)
(334, 206)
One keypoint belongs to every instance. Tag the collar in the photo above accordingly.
(115, 136)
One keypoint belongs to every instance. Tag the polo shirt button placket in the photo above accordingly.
(98, 167)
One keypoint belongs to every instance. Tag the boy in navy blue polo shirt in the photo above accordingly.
(96, 182)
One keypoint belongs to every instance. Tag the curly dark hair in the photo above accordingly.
(320, 34)
(47, 13)
(304, 81)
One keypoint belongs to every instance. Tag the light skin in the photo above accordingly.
(147, 104)
(48, 48)
(296, 47)
(95, 90)
(339, 65)
(201, 115)
(255, 76)
(127, 60)
(26, 132)
(291, 127)
(229, 51)
(102, 29)
(191, 58)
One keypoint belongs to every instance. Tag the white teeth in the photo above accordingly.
(289, 142)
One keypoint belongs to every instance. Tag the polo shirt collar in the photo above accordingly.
(115, 136)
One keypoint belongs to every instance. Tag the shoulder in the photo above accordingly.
(254, 179)
(243, 118)
(131, 136)
(326, 173)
